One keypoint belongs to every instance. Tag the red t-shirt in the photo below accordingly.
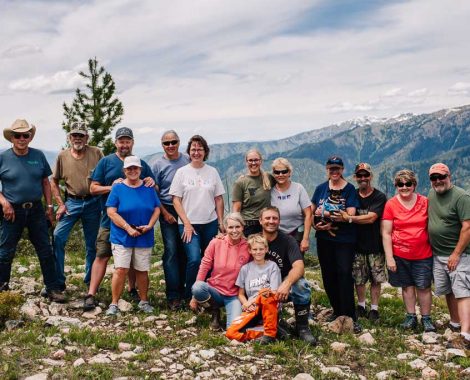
(410, 238)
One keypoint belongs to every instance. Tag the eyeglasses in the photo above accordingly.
(20, 135)
(77, 135)
(435, 177)
(277, 172)
(253, 160)
(171, 142)
(363, 175)
(401, 184)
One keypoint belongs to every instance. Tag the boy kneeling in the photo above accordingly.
(258, 280)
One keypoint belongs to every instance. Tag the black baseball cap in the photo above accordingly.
(335, 161)
(124, 132)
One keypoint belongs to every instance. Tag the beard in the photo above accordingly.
(78, 146)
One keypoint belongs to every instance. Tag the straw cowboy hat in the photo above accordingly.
(19, 126)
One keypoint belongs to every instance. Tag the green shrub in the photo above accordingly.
(9, 303)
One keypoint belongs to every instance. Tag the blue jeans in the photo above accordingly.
(195, 250)
(89, 211)
(10, 234)
(174, 257)
(202, 291)
(300, 292)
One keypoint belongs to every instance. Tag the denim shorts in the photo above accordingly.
(416, 273)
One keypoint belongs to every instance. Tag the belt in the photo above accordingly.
(80, 197)
(251, 223)
(26, 205)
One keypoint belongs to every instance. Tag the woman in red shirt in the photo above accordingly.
(406, 243)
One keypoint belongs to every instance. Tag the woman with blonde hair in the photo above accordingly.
(252, 192)
(407, 249)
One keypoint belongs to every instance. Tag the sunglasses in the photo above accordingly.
(277, 172)
(401, 184)
(20, 135)
(334, 168)
(77, 135)
(363, 175)
(435, 177)
(253, 160)
(171, 142)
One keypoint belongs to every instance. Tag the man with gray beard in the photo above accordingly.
(73, 166)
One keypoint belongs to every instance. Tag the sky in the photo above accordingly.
(233, 70)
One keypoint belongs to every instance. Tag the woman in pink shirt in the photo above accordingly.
(407, 249)
(223, 258)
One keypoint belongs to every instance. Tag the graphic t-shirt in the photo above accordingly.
(446, 213)
(410, 238)
(136, 206)
(284, 250)
(164, 171)
(254, 277)
(345, 197)
(22, 176)
(369, 239)
(249, 190)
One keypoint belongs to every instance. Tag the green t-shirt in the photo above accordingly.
(249, 190)
(446, 212)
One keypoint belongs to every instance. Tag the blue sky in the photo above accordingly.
(234, 71)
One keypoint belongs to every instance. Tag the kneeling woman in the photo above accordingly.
(133, 210)
(223, 258)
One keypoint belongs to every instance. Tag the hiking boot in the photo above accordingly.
(4, 287)
(145, 307)
(43, 293)
(56, 296)
(216, 324)
(264, 340)
(284, 330)
(113, 310)
(373, 315)
(357, 328)
(89, 302)
(428, 326)
(301, 324)
(410, 322)
(459, 343)
(453, 328)
(361, 311)
(174, 305)
(134, 295)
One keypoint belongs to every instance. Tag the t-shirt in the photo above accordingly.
(369, 239)
(164, 170)
(22, 176)
(76, 172)
(249, 190)
(197, 187)
(109, 169)
(409, 233)
(254, 277)
(284, 250)
(290, 204)
(346, 197)
(446, 213)
(136, 205)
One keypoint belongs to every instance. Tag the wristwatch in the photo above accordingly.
(350, 220)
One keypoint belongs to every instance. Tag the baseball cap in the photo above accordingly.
(439, 168)
(124, 132)
(364, 167)
(335, 161)
(132, 161)
(78, 127)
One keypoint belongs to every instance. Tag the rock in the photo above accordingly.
(332, 370)
(465, 372)
(341, 325)
(151, 334)
(429, 373)
(150, 319)
(452, 352)
(100, 359)
(53, 340)
(124, 346)
(138, 350)
(194, 359)
(384, 375)
(127, 355)
(191, 321)
(60, 321)
(253, 370)
(92, 314)
(367, 339)
(303, 376)
(38, 376)
(59, 354)
(322, 315)
(77, 304)
(405, 356)
(29, 285)
(21, 269)
(430, 338)
(176, 367)
(167, 328)
(207, 354)
(418, 364)
(30, 310)
(235, 342)
(57, 309)
(339, 347)
(79, 362)
(124, 305)
(53, 363)
(13, 324)
(72, 349)
(165, 351)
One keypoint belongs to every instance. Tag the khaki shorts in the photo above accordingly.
(369, 268)
(457, 281)
(139, 258)
(103, 246)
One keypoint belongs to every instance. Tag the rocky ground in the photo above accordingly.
(55, 341)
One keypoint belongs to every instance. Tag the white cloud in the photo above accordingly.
(460, 88)
(393, 92)
(20, 50)
(58, 82)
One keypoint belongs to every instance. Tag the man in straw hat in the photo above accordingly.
(24, 175)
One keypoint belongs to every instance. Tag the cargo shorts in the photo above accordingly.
(369, 267)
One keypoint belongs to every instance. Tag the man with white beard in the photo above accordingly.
(73, 166)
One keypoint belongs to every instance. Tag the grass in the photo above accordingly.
(21, 349)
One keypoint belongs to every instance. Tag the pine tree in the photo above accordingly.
(96, 106)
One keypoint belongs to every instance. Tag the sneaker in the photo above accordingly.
(145, 307)
(4, 287)
(113, 310)
(263, 340)
(89, 303)
(361, 311)
(56, 296)
(460, 343)
(373, 315)
(134, 295)
(410, 322)
(428, 326)
(357, 328)
(43, 293)
(453, 328)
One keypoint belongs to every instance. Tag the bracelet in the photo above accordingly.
(50, 206)
(124, 226)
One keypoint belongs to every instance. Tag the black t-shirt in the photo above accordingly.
(369, 240)
(284, 250)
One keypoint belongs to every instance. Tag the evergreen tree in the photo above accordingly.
(96, 106)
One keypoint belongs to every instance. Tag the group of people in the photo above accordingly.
(249, 261)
